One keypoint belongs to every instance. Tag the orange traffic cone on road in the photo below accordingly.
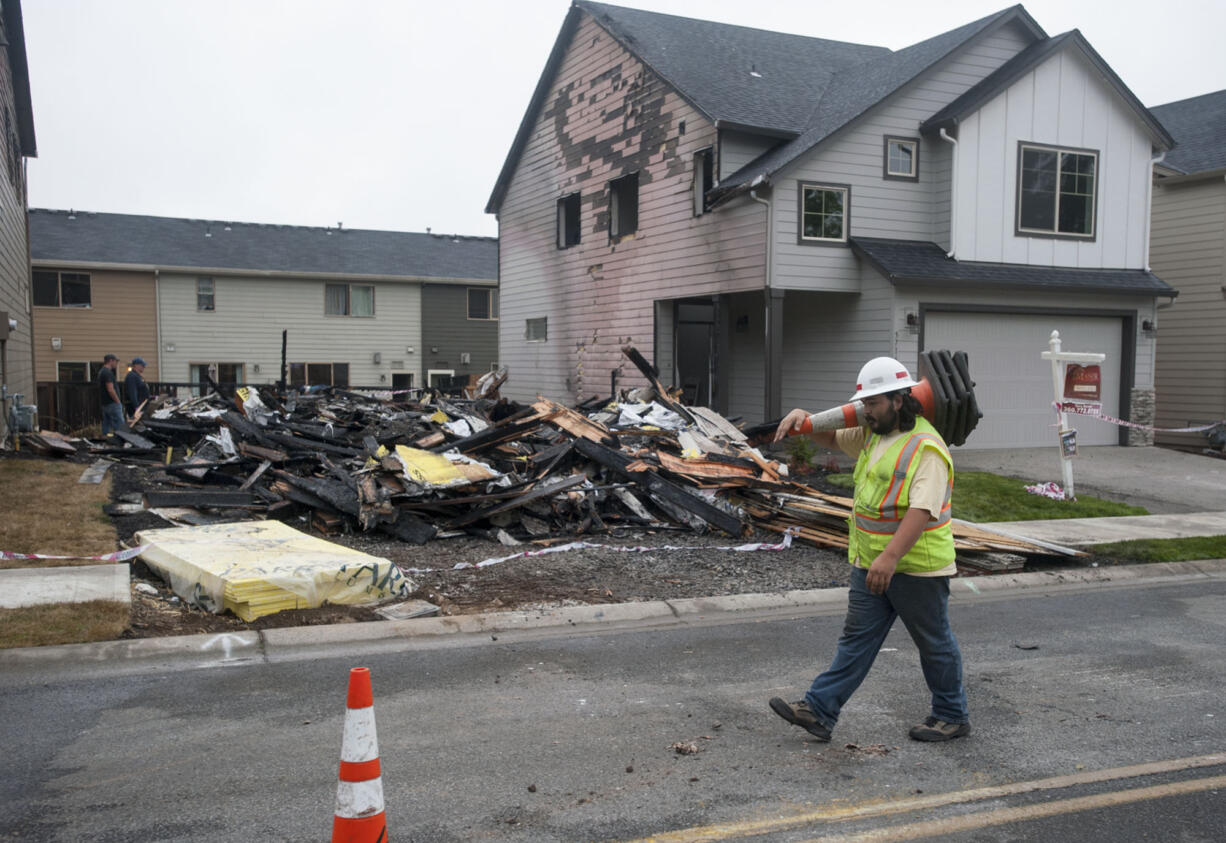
(359, 814)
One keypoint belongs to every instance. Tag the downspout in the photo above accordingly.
(953, 194)
(766, 292)
(1149, 203)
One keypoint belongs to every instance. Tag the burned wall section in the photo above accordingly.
(606, 116)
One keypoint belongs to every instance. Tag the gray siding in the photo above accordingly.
(1188, 251)
(18, 374)
(880, 207)
(445, 325)
(736, 149)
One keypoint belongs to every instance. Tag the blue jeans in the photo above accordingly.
(922, 603)
(112, 418)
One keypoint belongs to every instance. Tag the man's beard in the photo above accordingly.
(884, 423)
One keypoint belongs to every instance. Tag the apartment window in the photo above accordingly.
(823, 213)
(1057, 191)
(537, 330)
(319, 374)
(568, 221)
(439, 378)
(902, 158)
(72, 372)
(349, 300)
(205, 294)
(60, 289)
(225, 375)
(623, 206)
(704, 180)
(482, 303)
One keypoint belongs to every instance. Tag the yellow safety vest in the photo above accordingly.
(882, 497)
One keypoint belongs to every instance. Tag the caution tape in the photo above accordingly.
(563, 548)
(118, 556)
(1094, 411)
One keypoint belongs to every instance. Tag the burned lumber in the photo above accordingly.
(213, 499)
(301, 444)
(653, 377)
(542, 491)
(134, 439)
(409, 528)
(336, 494)
(659, 488)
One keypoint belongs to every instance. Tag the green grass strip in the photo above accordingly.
(1164, 550)
(981, 496)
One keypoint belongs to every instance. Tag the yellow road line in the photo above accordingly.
(1004, 816)
(748, 828)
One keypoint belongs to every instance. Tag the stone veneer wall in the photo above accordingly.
(1141, 404)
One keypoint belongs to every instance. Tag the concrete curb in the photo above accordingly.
(220, 649)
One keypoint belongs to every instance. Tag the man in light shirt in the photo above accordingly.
(901, 549)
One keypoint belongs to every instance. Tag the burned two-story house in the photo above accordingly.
(759, 213)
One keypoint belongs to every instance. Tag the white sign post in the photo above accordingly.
(1058, 358)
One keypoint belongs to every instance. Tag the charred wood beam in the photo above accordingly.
(408, 527)
(338, 495)
(134, 439)
(210, 498)
(296, 443)
(525, 498)
(653, 377)
(659, 488)
(493, 435)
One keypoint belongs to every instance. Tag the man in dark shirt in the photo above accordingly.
(135, 390)
(112, 407)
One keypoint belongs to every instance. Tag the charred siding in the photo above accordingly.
(606, 116)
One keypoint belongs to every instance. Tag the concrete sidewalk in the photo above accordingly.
(1080, 532)
(68, 584)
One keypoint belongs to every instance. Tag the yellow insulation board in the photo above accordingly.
(255, 568)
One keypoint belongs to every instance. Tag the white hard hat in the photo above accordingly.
(881, 375)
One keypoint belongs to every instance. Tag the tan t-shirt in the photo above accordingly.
(929, 480)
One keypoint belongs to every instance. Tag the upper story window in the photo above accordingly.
(349, 300)
(205, 291)
(704, 179)
(568, 221)
(901, 158)
(823, 213)
(482, 303)
(60, 289)
(1057, 191)
(623, 206)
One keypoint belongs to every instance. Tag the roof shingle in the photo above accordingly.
(130, 239)
(1198, 125)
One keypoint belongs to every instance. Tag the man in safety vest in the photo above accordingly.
(901, 549)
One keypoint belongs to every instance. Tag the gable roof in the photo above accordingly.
(129, 240)
(922, 262)
(1198, 125)
(856, 90)
(1026, 61)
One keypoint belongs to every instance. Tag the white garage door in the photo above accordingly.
(1013, 384)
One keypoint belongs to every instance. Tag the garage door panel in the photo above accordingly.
(1013, 383)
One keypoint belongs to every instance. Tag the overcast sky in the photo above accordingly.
(398, 114)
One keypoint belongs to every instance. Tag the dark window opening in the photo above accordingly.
(568, 221)
(482, 303)
(624, 206)
(704, 180)
(60, 289)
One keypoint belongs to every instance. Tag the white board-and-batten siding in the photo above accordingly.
(1063, 102)
(252, 312)
(1188, 251)
(853, 157)
(606, 116)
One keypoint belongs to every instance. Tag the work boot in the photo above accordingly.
(935, 729)
(799, 714)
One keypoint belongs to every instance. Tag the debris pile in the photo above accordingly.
(436, 466)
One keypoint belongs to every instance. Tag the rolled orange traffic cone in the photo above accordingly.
(359, 816)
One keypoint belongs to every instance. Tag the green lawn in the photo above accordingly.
(1164, 550)
(979, 496)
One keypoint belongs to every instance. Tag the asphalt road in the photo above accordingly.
(1098, 715)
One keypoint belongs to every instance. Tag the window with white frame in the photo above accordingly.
(1057, 191)
(482, 303)
(60, 289)
(569, 221)
(205, 294)
(537, 330)
(349, 300)
(823, 213)
(901, 158)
